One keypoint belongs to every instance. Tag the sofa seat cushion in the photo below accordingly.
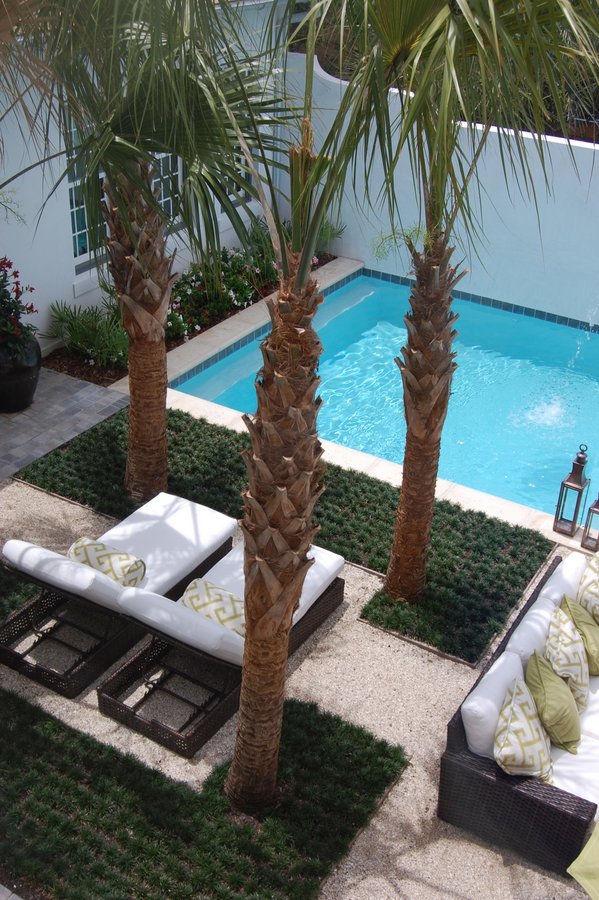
(589, 718)
(172, 535)
(481, 708)
(56, 570)
(578, 774)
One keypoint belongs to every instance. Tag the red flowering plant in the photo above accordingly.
(14, 334)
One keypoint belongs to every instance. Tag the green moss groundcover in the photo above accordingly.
(478, 566)
(78, 819)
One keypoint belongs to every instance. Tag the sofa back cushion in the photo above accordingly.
(531, 634)
(481, 708)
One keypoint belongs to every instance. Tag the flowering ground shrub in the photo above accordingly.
(14, 333)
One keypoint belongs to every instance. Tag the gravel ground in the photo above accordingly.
(397, 690)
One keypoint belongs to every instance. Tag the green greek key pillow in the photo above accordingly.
(554, 702)
(122, 567)
(588, 589)
(215, 603)
(521, 745)
(564, 648)
(589, 631)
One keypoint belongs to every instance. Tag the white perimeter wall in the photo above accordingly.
(551, 264)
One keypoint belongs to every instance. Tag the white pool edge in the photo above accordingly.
(212, 341)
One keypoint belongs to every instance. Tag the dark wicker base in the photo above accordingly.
(65, 642)
(181, 697)
(542, 823)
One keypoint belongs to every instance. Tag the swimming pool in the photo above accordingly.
(524, 396)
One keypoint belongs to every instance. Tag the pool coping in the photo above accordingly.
(244, 326)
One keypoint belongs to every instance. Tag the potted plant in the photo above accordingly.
(20, 354)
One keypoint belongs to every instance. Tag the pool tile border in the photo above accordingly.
(392, 279)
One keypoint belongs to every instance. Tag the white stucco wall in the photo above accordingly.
(551, 264)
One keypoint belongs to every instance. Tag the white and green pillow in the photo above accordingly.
(588, 588)
(215, 603)
(521, 745)
(564, 649)
(122, 567)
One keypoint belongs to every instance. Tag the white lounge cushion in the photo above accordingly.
(176, 621)
(58, 571)
(172, 535)
(565, 579)
(228, 574)
(578, 773)
(481, 708)
(531, 633)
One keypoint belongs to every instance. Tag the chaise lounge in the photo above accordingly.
(184, 683)
(74, 630)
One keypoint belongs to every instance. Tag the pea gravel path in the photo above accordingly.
(397, 690)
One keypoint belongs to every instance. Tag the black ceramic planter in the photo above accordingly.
(18, 377)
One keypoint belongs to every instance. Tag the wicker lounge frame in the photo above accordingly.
(91, 637)
(165, 676)
(544, 824)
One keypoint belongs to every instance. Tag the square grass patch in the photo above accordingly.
(78, 819)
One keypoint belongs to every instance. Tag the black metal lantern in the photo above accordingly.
(571, 495)
(588, 541)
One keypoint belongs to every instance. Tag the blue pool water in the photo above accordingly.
(524, 396)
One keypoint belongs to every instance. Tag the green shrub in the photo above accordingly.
(95, 333)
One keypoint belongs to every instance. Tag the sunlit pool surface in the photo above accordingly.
(524, 396)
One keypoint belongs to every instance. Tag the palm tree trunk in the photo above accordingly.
(141, 271)
(285, 473)
(426, 369)
(146, 472)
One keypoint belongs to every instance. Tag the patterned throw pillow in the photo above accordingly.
(589, 631)
(215, 603)
(588, 589)
(565, 651)
(554, 702)
(521, 744)
(122, 567)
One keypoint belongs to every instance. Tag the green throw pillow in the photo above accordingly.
(521, 746)
(589, 631)
(122, 567)
(555, 704)
(215, 603)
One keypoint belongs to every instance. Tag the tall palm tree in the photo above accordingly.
(460, 68)
(127, 82)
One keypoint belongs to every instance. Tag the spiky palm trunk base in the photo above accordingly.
(285, 472)
(427, 368)
(141, 271)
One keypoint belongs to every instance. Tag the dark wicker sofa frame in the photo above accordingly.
(542, 823)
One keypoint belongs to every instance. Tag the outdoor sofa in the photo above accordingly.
(547, 823)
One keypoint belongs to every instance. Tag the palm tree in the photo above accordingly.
(127, 83)
(285, 466)
(460, 68)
